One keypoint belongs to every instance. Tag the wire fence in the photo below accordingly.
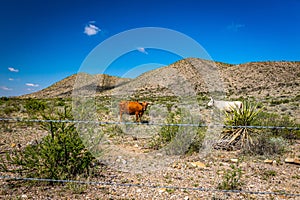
(153, 186)
(141, 123)
(202, 189)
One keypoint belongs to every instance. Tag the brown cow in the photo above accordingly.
(133, 108)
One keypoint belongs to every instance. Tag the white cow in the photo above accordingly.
(228, 106)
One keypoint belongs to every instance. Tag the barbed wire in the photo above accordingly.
(142, 123)
(202, 189)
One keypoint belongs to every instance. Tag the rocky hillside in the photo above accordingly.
(263, 79)
(190, 76)
(256, 79)
(65, 87)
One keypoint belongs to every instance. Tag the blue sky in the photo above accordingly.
(44, 41)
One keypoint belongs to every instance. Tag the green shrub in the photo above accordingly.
(278, 102)
(4, 99)
(197, 141)
(267, 174)
(276, 120)
(178, 139)
(231, 179)
(167, 133)
(34, 106)
(10, 109)
(268, 145)
(59, 155)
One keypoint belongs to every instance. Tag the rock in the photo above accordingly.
(24, 196)
(13, 145)
(186, 198)
(161, 190)
(197, 164)
(268, 161)
(159, 154)
(292, 161)
(224, 164)
(234, 160)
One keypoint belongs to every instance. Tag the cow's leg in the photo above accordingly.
(120, 115)
(140, 115)
(136, 116)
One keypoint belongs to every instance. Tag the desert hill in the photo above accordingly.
(260, 80)
(65, 87)
(187, 76)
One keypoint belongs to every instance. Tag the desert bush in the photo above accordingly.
(231, 179)
(273, 119)
(245, 116)
(34, 106)
(268, 145)
(197, 141)
(10, 109)
(267, 174)
(176, 139)
(4, 99)
(60, 102)
(278, 102)
(167, 133)
(59, 155)
(9, 105)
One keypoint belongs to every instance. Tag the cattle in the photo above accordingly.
(133, 108)
(227, 106)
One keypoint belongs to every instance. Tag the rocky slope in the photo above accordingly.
(65, 87)
(192, 75)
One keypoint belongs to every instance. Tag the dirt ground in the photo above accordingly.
(138, 173)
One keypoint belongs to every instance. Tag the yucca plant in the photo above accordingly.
(244, 116)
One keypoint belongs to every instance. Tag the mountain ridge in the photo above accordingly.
(260, 79)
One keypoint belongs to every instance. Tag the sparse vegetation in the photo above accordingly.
(167, 133)
(232, 179)
(59, 155)
(276, 120)
(267, 174)
(34, 106)
(278, 102)
(268, 145)
(180, 139)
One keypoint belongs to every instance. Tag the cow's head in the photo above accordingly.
(144, 104)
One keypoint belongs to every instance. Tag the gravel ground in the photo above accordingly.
(182, 177)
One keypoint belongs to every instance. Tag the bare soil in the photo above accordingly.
(181, 177)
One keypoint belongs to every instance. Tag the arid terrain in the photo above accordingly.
(275, 84)
(132, 169)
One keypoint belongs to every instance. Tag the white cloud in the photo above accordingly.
(32, 85)
(13, 69)
(91, 29)
(5, 88)
(11, 79)
(142, 50)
